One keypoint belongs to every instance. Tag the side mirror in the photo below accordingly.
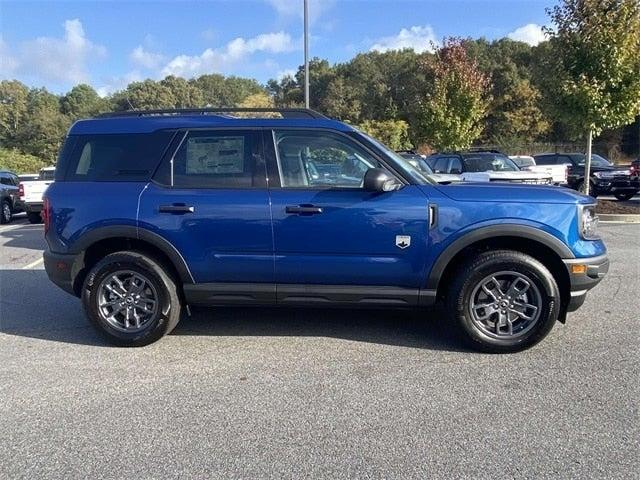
(378, 180)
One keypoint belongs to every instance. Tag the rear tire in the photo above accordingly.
(5, 212)
(625, 196)
(130, 299)
(34, 217)
(493, 317)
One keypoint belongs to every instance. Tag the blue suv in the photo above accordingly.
(152, 212)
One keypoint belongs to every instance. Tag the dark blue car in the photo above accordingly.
(154, 211)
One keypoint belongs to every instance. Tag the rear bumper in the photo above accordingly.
(32, 207)
(595, 270)
(61, 269)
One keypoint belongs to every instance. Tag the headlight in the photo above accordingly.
(602, 175)
(588, 222)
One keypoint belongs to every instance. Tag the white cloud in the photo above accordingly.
(218, 59)
(144, 58)
(419, 38)
(60, 59)
(8, 63)
(530, 33)
(113, 84)
(293, 8)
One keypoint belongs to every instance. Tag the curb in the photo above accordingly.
(619, 217)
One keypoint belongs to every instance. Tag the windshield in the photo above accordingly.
(403, 164)
(596, 160)
(489, 162)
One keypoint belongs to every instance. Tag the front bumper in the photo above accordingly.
(584, 274)
(62, 269)
(618, 184)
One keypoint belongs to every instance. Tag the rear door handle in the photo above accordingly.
(177, 209)
(303, 209)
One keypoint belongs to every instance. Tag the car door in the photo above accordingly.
(209, 199)
(333, 240)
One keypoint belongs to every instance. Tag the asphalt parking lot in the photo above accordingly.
(238, 393)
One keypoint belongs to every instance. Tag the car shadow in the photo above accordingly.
(30, 306)
(26, 236)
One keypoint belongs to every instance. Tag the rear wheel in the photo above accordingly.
(504, 301)
(34, 217)
(5, 213)
(625, 195)
(130, 299)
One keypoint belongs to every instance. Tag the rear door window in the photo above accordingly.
(216, 159)
(116, 157)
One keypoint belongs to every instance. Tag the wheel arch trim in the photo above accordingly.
(493, 231)
(136, 233)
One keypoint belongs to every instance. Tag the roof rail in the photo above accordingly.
(285, 112)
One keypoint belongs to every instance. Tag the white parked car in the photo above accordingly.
(31, 192)
(485, 166)
(559, 173)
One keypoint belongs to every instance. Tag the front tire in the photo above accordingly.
(5, 212)
(592, 188)
(130, 299)
(503, 301)
(625, 196)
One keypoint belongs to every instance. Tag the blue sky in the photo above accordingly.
(107, 44)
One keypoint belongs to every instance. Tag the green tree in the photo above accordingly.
(45, 126)
(393, 133)
(220, 91)
(13, 111)
(82, 101)
(18, 162)
(595, 58)
(451, 112)
(183, 93)
(144, 96)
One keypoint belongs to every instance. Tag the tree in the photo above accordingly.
(393, 133)
(220, 91)
(13, 110)
(450, 113)
(144, 96)
(183, 93)
(82, 101)
(595, 45)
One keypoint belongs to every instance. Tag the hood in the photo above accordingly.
(512, 193)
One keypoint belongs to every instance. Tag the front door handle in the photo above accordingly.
(177, 209)
(303, 209)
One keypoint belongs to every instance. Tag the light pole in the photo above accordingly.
(306, 54)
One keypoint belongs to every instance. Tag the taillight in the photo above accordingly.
(46, 214)
(566, 174)
(21, 191)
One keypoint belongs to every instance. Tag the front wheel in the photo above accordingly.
(592, 188)
(503, 301)
(5, 213)
(131, 299)
(625, 195)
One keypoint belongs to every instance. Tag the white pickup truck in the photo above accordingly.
(31, 191)
(558, 173)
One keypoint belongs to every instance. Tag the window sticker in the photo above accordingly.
(215, 155)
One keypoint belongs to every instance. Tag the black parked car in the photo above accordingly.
(9, 200)
(605, 179)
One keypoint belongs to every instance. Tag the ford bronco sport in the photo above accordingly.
(152, 212)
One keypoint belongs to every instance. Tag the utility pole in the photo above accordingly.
(306, 54)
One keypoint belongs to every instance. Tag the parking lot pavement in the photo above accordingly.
(311, 393)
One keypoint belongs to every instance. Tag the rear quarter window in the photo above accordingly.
(114, 157)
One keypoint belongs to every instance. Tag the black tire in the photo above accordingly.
(472, 273)
(625, 196)
(169, 308)
(34, 217)
(5, 212)
(592, 188)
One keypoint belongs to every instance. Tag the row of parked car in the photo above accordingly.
(23, 193)
(564, 169)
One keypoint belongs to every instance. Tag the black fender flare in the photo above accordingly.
(133, 232)
(493, 231)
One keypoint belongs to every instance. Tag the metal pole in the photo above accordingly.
(306, 54)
